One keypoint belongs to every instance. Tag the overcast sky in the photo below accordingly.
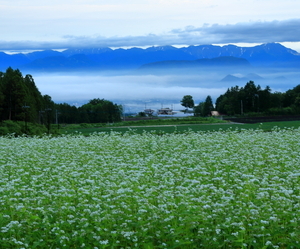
(59, 24)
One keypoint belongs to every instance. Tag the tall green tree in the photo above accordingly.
(34, 99)
(187, 101)
(251, 97)
(2, 96)
(208, 106)
(230, 102)
(47, 115)
(198, 110)
(15, 98)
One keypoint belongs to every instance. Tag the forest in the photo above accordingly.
(20, 100)
(252, 99)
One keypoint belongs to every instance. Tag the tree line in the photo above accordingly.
(20, 100)
(202, 109)
(250, 99)
(253, 99)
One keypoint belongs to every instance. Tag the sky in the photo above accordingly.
(60, 24)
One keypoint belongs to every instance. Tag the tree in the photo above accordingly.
(48, 111)
(2, 96)
(251, 97)
(67, 113)
(187, 101)
(230, 102)
(101, 111)
(207, 106)
(20, 99)
(34, 99)
(198, 110)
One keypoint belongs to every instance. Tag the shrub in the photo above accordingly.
(4, 131)
(12, 127)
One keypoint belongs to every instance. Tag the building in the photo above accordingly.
(165, 111)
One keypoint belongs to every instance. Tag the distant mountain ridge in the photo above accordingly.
(234, 78)
(222, 61)
(265, 55)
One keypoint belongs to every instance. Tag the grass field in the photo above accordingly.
(222, 189)
(169, 127)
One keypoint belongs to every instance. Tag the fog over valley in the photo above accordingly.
(136, 92)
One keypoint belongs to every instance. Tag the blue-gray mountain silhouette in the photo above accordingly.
(265, 55)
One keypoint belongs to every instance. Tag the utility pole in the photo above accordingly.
(26, 107)
(48, 119)
(56, 118)
(242, 107)
(123, 112)
(40, 117)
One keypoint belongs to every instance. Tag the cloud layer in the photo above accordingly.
(135, 91)
(251, 32)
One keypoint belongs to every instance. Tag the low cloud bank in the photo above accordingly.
(139, 91)
(252, 32)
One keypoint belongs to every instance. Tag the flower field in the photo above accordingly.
(233, 189)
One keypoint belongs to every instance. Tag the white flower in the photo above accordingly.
(104, 242)
(268, 243)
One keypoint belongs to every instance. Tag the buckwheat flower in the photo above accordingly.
(235, 234)
(268, 243)
(104, 242)
(295, 175)
(264, 222)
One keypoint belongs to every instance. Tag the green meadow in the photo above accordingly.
(177, 126)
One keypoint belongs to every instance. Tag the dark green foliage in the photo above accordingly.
(68, 114)
(142, 114)
(3, 131)
(253, 99)
(100, 111)
(21, 102)
(204, 108)
(187, 101)
(229, 103)
(18, 128)
(207, 106)
(198, 110)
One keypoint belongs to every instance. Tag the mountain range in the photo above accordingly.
(162, 57)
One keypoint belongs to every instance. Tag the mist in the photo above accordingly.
(139, 91)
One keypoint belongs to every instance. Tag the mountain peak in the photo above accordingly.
(86, 51)
(161, 48)
(277, 48)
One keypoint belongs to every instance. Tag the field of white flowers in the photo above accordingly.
(195, 190)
